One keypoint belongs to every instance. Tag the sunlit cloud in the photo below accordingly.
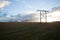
(4, 3)
(27, 9)
(51, 17)
(54, 16)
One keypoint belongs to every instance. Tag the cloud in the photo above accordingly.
(56, 9)
(33, 17)
(6, 19)
(54, 15)
(4, 3)
(51, 16)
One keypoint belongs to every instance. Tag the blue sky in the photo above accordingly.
(27, 9)
(22, 6)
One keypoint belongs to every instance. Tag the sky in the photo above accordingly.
(25, 7)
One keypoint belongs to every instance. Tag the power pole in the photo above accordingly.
(43, 14)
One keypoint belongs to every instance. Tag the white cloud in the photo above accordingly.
(51, 17)
(32, 16)
(4, 3)
(54, 16)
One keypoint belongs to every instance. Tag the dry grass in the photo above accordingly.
(29, 31)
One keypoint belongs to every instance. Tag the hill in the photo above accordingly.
(29, 31)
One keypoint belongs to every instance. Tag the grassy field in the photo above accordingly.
(30, 31)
